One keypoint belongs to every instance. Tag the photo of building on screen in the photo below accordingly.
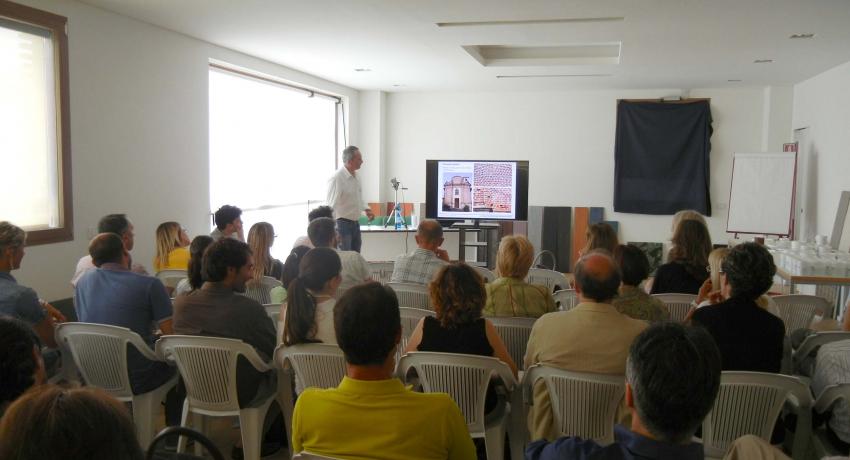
(457, 193)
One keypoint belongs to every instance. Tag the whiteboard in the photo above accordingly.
(761, 198)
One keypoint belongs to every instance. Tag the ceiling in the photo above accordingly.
(662, 43)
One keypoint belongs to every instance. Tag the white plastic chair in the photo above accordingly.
(410, 317)
(749, 403)
(583, 404)
(100, 354)
(798, 310)
(514, 332)
(465, 378)
(565, 299)
(262, 292)
(412, 295)
(317, 365)
(553, 280)
(273, 310)
(170, 278)
(678, 304)
(208, 367)
(485, 273)
(381, 271)
(830, 395)
(803, 358)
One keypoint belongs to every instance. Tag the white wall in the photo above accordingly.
(568, 137)
(822, 104)
(139, 132)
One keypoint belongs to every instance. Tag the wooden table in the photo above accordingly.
(817, 280)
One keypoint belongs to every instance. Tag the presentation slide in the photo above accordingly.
(476, 189)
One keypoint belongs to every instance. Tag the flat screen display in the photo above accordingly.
(476, 189)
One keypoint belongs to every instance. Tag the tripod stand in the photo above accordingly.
(397, 216)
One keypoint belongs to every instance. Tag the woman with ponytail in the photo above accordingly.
(309, 316)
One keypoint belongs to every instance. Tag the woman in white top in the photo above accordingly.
(309, 316)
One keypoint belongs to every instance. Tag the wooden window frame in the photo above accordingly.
(58, 27)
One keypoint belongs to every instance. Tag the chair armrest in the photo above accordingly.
(830, 395)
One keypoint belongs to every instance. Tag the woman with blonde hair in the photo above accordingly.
(510, 295)
(260, 239)
(172, 251)
(601, 236)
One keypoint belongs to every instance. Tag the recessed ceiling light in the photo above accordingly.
(733, 80)
(796, 36)
(362, 69)
(762, 61)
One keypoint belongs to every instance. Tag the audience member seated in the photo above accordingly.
(18, 301)
(119, 225)
(321, 211)
(672, 378)
(685, 270)
(194, 279)
(683, 215)
(260, 239)
(710, 292)
(112, 294)
(172, 244)
(399, 423)
(310, 304)
(217, 310)
(458, 294)
(833, 368)
(749, 337)
(228, 223)
(510, 295)
(290, 272)
(355, 270)
(632, 300)
(422, 264)
(72, 424)
(21, 366)
(601, 236)
(592, 337)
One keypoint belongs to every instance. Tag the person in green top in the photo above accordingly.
(510, 295)
(633, 300)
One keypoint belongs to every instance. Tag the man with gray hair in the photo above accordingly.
(422, 264)
(592, 337)
(672, 378)
(345, 197)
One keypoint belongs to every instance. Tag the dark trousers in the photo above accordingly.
(349, 235)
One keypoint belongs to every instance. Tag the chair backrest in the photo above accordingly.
(514, 332)
(261, 292)
(583, 404)
(317, 365)
(553, 280)
(171, 278)
(100, 354)
(748, 403)
(208, 368)
(798, 310)
(381, 271)
(485, 273)
(565, 299)
(463, 377)
(409, 319)
(273, 310)
(412, 295)
(809, 348)
(677, 304)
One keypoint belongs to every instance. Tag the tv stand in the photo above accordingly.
(485, 243)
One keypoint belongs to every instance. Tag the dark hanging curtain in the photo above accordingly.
(661, 157)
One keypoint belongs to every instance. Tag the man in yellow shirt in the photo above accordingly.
(372, 415)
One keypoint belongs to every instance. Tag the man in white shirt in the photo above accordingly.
(422, 264)
(119, 225)
(832, 367)
(228, 222)
(345, 197)
(355, 270)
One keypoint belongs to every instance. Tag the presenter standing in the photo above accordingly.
(345, 197)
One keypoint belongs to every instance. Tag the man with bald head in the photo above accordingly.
(592, 337)
(422, 264)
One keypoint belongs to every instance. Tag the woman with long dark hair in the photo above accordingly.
(310, 299)
(686, 269)
(196, 253)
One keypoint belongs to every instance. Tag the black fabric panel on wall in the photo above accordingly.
(661, 157)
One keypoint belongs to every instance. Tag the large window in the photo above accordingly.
(34, 123)
(272, 150)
